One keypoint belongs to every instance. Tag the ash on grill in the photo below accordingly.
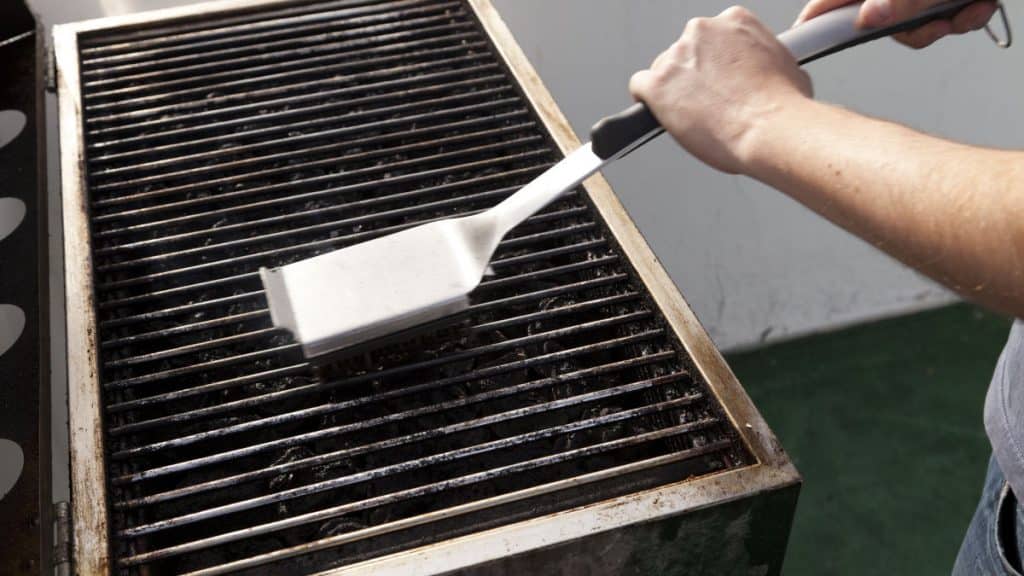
(216, 147)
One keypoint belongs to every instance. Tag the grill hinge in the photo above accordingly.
(62, 539)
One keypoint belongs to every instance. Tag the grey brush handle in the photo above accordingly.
(826, 34)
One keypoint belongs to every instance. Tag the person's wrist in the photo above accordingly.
(757, 151)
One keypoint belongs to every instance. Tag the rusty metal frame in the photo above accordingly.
(772, 472)
(88, 478)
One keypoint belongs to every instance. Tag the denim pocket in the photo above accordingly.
(1007, 527)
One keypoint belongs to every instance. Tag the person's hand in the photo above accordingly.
(713, 86)
(876, 13)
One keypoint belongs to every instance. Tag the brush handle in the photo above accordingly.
(834, 31)
(541, 191)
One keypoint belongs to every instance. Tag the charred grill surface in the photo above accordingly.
(218, 145)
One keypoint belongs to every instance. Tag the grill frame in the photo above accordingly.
(772, 472)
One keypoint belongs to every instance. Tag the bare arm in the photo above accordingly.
(954, 212)
(733, 96)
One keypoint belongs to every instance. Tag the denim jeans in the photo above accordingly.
(995, 538)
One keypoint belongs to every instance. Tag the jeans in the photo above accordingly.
(995, 538)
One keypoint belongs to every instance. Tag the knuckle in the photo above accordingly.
(640, 83)
(636, 83)
(738, 13)
(660, 75)
(696, 26)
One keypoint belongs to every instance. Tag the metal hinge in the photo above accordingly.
(62, 539)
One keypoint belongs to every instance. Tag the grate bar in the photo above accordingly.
(331, 243)
(327, 178)
(209, 365)
(322, 434)
(322, 226)
(227, 280)
(262, 332)
(222, 385)
(250, 43)
(338, 455)
(555, 312)
(175, 310)
(334, 431)
(261, 312)
(503, 283)
(371, 203)
(477, 374)
(479, 351)
(235, 35)
(446, 485)
(128, 97)
(292, 370)
(221, 322)
(223, 21)
(476, 506)
(440, 458)
(406, 195)
(134, 42)
(333, 225)
(244, 68)
(190, 348)
(201, 119)
(148, 316)
(165, 150)
(257, 96)
(305, 153)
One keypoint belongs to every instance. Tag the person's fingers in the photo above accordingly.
(639, 84)
(925, 35)
(819, 7)
(661, 58)
(974, 17)
(878, 13)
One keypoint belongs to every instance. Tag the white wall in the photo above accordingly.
(754, 265)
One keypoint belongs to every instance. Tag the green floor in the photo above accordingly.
(884, 423)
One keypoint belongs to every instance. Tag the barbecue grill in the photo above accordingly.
(579, 420)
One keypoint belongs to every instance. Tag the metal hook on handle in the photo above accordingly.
(1007, 40)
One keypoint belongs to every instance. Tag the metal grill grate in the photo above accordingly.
(258, 138)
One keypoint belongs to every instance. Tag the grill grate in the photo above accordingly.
(261, 137)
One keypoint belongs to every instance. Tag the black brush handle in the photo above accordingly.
(615, 133)
(827, 34)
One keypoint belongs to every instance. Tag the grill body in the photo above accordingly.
(579, 420)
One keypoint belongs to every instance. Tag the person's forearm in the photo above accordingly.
(954, 212)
